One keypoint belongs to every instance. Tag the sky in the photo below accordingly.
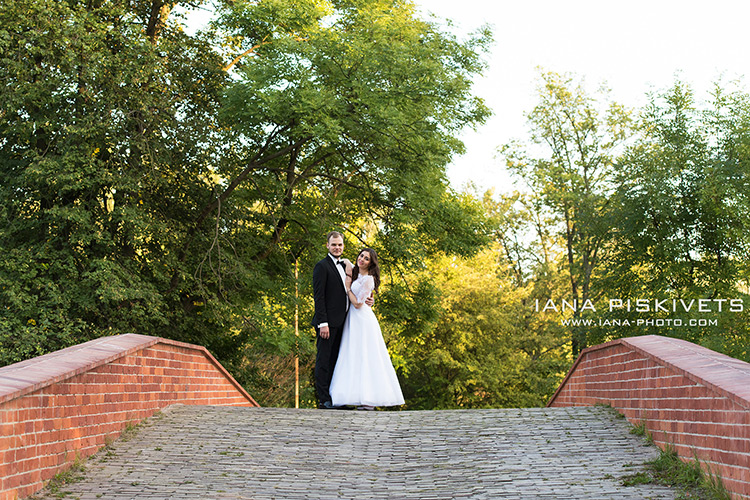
(633, 47)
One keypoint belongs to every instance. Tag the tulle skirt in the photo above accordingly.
(364, 374)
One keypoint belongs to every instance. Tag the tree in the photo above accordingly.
(681, 229)
(348, 114)
(346, 119)
(104, 155)
(164, 183)
(580, 138)
(485, 347)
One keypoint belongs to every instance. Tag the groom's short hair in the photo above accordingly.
(334, 234)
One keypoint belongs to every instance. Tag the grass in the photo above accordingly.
(131, 429)
(636, 479)
(641, 430)
(74, 473)
(669, 469)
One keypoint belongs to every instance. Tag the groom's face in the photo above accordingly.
(336, 246)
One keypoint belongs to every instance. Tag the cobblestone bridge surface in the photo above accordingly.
(198, 452)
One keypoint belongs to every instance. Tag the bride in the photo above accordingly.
(364, 376)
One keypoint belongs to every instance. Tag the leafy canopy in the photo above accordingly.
(167, 183)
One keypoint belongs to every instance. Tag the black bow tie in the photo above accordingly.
(341, 263)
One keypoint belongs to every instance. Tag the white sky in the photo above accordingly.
(634, 47)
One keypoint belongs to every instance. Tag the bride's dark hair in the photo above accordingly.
(373, 270)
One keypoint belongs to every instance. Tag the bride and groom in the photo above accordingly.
(352, 366)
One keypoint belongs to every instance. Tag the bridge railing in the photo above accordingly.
(67, 404)
(689, 397)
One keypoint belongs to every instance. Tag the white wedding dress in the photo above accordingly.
(364, 374)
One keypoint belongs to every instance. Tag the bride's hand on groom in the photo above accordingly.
(348, 266)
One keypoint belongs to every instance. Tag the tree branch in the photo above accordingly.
(254, 165)
(158, 18)
(291, 181)
(251, 50)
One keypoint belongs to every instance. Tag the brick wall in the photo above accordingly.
(66, 404)
(690, 397)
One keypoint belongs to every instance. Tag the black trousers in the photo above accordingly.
(325, 361)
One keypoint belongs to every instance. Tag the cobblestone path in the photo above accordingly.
(194, 452)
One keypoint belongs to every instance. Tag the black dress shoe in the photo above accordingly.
(327, 406)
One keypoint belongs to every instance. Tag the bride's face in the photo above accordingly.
(363, 261)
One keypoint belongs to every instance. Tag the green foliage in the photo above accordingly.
(486, 347)
(680, 220)
(363, 103)
(179, 185)
(654, 211)
(687, 476)
(98, 169)
(345, 118)
(573, 177)
(168, 184)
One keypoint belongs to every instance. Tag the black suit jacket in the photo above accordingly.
(329, 294)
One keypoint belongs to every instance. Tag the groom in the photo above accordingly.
(331, 306)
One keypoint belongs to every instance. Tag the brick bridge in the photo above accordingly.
(202, 436)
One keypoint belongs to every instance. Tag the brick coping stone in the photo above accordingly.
(723, 374)
(28, 376)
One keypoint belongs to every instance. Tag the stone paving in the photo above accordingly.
(198, 452)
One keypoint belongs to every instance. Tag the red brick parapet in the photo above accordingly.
(690, 397)
(66, 404)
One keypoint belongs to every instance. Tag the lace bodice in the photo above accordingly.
(362, 287)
